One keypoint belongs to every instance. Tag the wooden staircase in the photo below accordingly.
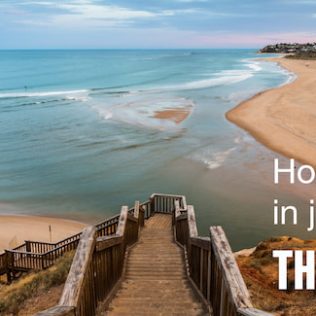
(155, 281)
(131, 265)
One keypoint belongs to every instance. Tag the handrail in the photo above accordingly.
(19, 247)
(97, 266)
(212, 267)
(108, 258)
(79, 272)
(26, 256)
(227, 263)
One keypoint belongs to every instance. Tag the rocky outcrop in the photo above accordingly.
(260, 272)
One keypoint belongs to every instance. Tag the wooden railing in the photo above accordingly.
(99, 260)
(165, 203)
(35, 255)
(212, 267)
(98, 265)
(3, 263)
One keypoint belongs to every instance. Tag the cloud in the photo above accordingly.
(88, 10)
(300, 2)
(191, 1)
(81, 13)
(97, 14)
(91, 13)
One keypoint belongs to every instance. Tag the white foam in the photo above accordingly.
(255, 66)
(290, 76)
(141, 111)
(223, 78)
(214, 160)
(41, 94)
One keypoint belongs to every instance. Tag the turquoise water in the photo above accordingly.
(78, 137)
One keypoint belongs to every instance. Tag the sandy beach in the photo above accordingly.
(175, 115)
(14, 229)
(284, 118)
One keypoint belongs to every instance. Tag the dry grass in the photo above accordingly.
(302, 55)
(260, 272)
(35, 291)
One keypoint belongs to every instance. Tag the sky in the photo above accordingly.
(27, 24)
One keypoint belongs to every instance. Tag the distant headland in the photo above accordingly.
(295, 50)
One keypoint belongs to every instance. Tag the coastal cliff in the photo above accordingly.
(260, 272)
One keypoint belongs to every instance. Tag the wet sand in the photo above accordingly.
(14, 229)
(284, 118)
(175, 115)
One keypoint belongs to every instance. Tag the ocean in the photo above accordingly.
(79, 139)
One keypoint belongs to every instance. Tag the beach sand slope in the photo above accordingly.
(14, 229)
(284, 118)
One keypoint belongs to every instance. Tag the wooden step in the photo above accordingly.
(155, 280)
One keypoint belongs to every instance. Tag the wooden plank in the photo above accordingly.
(191, 222)
(141, 217)
(108, 241)
(81, 262)
(202, 242)
(136, 209)
(177, 208)
(184, 202)
(201, 270)
(132, 218)
(252, 312)
(233, 280)
(182, 217)
(122, 221)
(166, 195)
(208, 280)
(58, 311)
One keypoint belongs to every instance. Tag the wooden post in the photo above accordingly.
(152, 205)
(201, 269)
(192, 222)
(139, 214)
(27, 246)
(9, 265)
(122, 221)
(50, 233)
(236, 287)
(177, 208)
(192, 230)
(82, 259)
(208, 291)
(141, 217)
(136, 209)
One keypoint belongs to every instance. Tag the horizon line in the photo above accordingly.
(135, 48)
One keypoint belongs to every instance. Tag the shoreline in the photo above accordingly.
(15, 229)
(284, 118)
